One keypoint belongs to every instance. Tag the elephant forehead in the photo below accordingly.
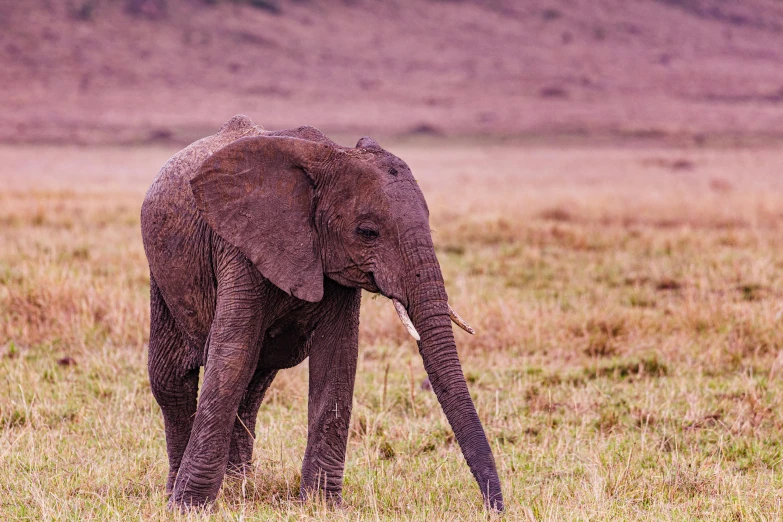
(378, 179)
(406, 198)
(380, 162)
(394, 166)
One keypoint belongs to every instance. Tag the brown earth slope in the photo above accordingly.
(136, 70)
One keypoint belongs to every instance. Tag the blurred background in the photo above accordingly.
(134, 71)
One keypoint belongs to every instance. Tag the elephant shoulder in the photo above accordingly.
(189, 159)
(182, 166)
(170, 191)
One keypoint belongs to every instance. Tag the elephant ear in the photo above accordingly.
(256, 194)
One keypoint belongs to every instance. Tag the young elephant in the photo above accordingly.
(258, 245)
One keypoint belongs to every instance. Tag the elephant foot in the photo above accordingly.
(190, 496)
(186, 502)
(188, 507)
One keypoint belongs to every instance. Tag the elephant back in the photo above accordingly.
(181, 167)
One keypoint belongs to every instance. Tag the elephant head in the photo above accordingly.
(301, 210)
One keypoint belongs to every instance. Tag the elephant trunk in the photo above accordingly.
(429, 309)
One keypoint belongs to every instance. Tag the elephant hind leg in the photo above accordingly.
(174, 385)
(244, 433)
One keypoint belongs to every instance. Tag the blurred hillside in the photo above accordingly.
(145, 70)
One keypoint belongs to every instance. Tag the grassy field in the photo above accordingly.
(628, 362)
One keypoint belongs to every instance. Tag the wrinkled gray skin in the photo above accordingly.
(258, 245)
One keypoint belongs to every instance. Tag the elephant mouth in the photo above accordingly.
(356, 278)
(369, 284)
(372, 285)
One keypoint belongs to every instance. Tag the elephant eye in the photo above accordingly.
(367, 233)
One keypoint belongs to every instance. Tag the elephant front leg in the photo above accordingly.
(333, 356)
(232, 357)
(241, 450)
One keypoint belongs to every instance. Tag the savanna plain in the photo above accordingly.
(628, 361)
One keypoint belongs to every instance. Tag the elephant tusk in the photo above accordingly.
(406, 321)
(460, 322)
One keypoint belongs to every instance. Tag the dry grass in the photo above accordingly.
(627, 365)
